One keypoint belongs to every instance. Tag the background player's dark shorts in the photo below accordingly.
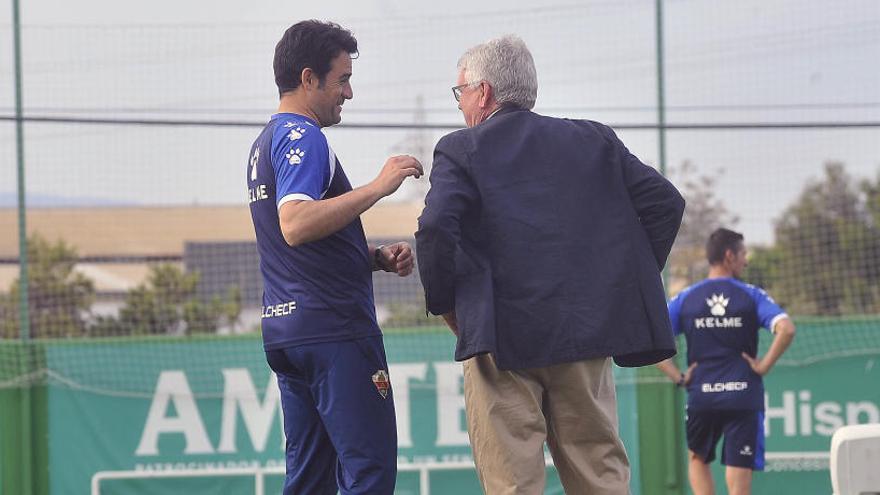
(743, 433)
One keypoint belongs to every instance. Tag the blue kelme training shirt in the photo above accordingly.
(322, 290)
(720, 319)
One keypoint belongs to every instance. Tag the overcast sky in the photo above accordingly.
(745, 61)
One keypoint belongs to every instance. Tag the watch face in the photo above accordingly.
(377, 257)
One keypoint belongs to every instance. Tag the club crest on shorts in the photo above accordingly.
(383, 384)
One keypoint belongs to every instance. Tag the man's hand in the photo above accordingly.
(451, 321)
(396, 169)
(688, 373)
(784, 333)
(396, 258)
(757, 366)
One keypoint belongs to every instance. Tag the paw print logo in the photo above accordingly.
(718, 304)
(296, 133)
(295, 156)
(254, 159)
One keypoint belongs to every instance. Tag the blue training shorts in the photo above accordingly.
(743, 433)
(339, 419)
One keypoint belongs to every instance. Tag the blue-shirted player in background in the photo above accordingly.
(318, 319)
(720, 318)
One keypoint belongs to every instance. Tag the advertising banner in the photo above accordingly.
(214, 404)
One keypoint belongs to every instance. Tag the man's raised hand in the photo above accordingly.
(396, 169)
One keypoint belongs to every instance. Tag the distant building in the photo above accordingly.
(118, 245)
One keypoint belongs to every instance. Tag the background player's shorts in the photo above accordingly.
(743, 437)
(339, 419)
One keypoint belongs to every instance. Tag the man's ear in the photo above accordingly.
(729, 255)
(308, 78)
(487, 94)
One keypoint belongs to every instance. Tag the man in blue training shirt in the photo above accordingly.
(720, 318)
(319, 320)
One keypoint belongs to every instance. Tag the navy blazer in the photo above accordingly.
(547, 237)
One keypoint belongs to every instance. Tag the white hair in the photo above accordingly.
(507, 65)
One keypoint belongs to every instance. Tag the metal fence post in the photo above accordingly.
(24, 309)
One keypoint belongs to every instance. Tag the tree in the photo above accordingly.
(59, 298)
(166, 303)
(826, 260)
(764, 266)
(872, 199)
(703, 214)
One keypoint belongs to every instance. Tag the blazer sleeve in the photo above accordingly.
(451, 196)
(657, 202)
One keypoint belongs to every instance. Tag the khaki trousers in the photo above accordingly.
(573, 407)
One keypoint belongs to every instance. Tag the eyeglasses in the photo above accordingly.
(456, 90)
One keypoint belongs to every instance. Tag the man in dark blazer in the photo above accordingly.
(541, 245)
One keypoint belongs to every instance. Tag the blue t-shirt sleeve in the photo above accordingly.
(301, 159)
(768, 311)
(675, 312)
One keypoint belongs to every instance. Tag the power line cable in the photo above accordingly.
(441, 126)
(452, 109)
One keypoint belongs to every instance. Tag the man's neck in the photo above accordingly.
(487, 113)
(719, 271)
(293, 103)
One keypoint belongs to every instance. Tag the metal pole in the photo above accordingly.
(673, 466)
(24, 308)
(259, 488)
(661, 99)
(424, 483)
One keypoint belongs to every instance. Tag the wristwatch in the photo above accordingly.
(377, 258)
(680, 382)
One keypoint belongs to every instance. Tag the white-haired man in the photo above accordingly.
(541, 244)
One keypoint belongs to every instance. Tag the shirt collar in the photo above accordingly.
(505, 109)
(494, 112)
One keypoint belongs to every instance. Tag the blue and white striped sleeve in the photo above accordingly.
(675, 312)
(301, 159)
(769, 313)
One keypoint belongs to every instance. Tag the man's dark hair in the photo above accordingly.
(313, 44)
(719, 242)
